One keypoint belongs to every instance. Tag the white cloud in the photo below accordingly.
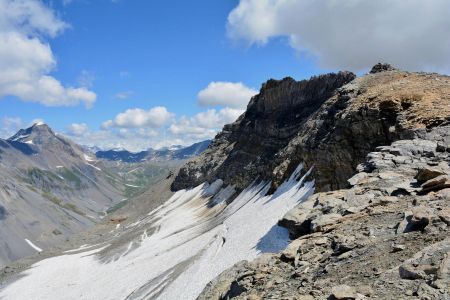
(26, 59)
(123, 95)
(351, 34)
(137, 117)
(204, 125)
(133, 139)
(10, 125)
(228, 94)
(78, 129)
(67, 2)
(86, 79)
(138, 129)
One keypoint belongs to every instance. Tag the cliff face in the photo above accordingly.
(247, 148)
(329, 122)
(386, 237)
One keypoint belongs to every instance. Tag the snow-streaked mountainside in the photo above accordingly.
(173, 251)
(164, 154)
(51, 188)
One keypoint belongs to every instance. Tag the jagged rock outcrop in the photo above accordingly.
(325, 125)
(382, 67)
(245, 149)
(386, 237)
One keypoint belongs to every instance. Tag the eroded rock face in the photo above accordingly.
(247, 148)
(328, 123)
(385, 237)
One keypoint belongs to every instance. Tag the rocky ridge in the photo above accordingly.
(330, 122)
(245, 148)
(385, 237)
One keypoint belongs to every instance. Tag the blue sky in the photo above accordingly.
(136, 55)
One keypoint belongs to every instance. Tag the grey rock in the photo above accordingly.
(381, 67)
(343, 292)
(427, 173)
(320, 222)
(437, 183)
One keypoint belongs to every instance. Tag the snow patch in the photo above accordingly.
(82, 247)
(33, 245)
(88, 158)
(91, 165)
(21, 137)
(135, 186)
(190, 241)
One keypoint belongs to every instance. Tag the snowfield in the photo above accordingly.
(174, 251)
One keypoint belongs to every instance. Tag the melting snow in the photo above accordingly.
(33, 245)
(88, 158)
(97, 168)
(82, 247)
(182, 245)
(21, 137)
(135, 186)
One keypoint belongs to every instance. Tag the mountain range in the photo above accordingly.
(335, 187)
(173, 153)
(52, 188)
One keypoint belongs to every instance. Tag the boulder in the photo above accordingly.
(421, 217)
(427, 173)
(343, 292)
(444, 215)
(321, 221)
(437, 183)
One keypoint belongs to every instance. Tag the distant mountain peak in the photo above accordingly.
(39, 130)
(40, 138)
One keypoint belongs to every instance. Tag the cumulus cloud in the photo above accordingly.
(351, 34)
(133, 139)
(26, 59)
(228, 94)
(204, 125)
(137, 129)
(137, 117)
(78, 129)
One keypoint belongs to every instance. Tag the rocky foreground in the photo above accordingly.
(379, 147)
(386, 237)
